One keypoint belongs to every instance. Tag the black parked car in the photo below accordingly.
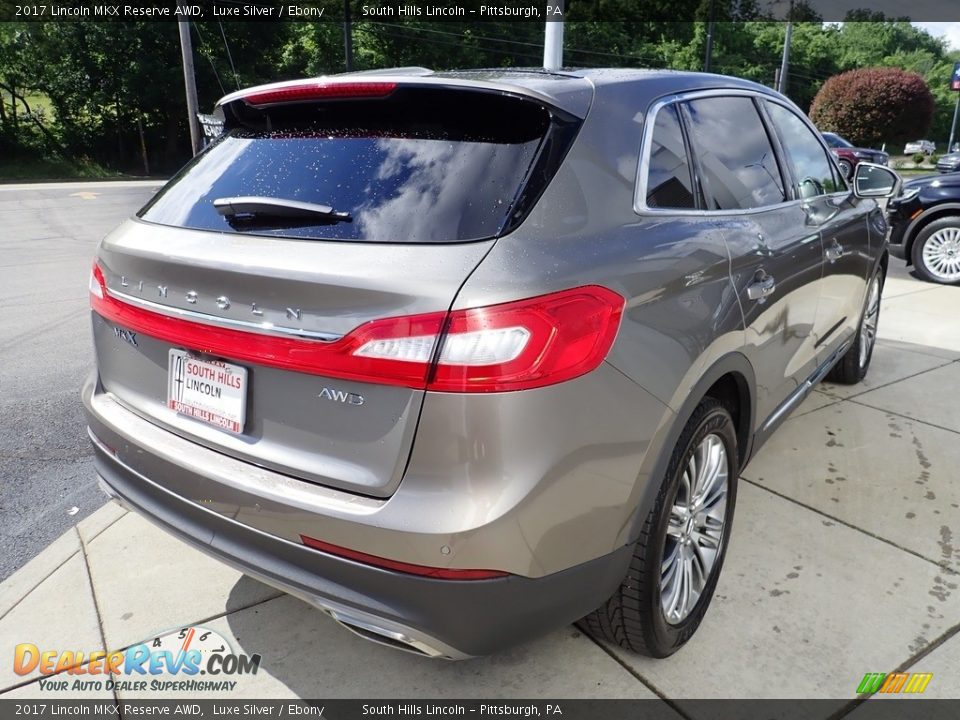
(925, 227)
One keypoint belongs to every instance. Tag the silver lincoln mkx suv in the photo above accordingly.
(462, 357)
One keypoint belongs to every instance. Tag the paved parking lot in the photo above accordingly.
(844, 558)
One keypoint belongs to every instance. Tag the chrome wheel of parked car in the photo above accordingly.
(695, 530)
(846, 168)
(868, 328)
(941, 254)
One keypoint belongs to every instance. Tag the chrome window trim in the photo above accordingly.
(640, 206)
(262, 328)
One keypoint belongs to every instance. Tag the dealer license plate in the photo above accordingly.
(208, 390)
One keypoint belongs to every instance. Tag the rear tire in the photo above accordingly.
(650, 614)
(855, 362)
(846, 168)
(936, 251)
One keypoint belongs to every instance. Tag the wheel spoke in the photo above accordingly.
(678, 518)
(669, 565)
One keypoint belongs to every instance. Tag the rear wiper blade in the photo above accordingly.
(277, 208)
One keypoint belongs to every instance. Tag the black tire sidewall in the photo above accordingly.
(667, 638)
(846, 167)
(916, 251)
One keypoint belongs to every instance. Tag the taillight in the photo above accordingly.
(514, 346)
(398, 566)
(97, 284)
(528, 343)
(305, 92)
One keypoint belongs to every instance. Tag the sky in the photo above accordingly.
(948, 30)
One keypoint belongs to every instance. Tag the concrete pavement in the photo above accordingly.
(844, 560)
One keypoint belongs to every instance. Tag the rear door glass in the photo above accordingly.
(414, 170)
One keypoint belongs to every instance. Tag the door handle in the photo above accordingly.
(834, 252)
(762, 289)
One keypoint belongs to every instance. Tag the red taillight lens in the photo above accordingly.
(529, 343)
(305, 92)
(98, 286)
(396, 565)
(514, 346)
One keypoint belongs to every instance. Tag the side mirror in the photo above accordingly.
(875, 181)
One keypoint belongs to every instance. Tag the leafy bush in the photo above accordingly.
(872, 105)
(933, 159)
(918, 158)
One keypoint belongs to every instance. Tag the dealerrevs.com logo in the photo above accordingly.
(191, 659)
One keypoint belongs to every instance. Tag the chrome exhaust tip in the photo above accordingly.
(384, 636)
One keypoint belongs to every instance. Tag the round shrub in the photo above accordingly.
(874, 105)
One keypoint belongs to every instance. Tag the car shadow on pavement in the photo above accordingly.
(307, 654)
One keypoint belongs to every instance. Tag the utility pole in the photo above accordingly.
(553, 37)
(711, 25)
(785, 63)
(953, 125)
(347, 36)
(190, 83)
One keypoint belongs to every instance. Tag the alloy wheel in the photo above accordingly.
(868, 328)
(941, 254)
(694, 530)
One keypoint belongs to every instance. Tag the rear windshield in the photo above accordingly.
(424, 167)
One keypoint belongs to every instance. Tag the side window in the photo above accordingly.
(669, 181)
(738, 164)
(814, 173)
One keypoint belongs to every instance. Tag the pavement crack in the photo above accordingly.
(672, 704)
(38, 584)
(905, 417)
(852, 396)
(96, 603)
(938, 564)
(905, 665)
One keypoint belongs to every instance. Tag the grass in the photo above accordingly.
(37, 169)
(916, 172)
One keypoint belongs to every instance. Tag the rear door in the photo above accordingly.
(775, 254)
(841, 220)
(265, 334)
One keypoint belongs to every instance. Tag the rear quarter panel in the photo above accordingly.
(681, 316)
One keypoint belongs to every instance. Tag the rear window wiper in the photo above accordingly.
(252, 206)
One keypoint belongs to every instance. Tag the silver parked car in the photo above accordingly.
(462, 357)
(927, 147)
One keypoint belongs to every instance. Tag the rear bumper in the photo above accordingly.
(440, 618)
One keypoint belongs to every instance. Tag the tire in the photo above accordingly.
(846, 168)
(855, 362)
(636, 616)
(936, 251)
